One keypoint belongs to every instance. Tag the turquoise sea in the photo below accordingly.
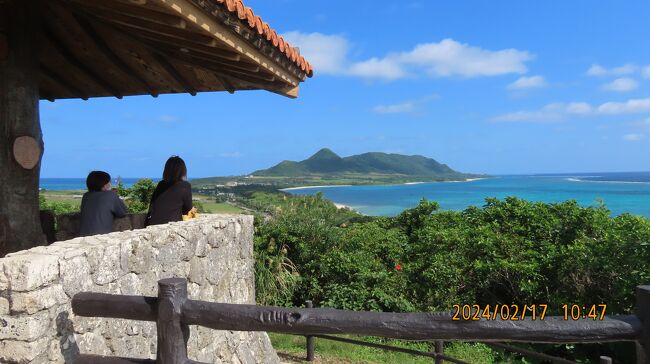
(621, 192)
(60, 184)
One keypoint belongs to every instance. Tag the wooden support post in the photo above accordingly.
(439, 350)
(20, 226)
(172, 334)
(643, 313)
(310, 339)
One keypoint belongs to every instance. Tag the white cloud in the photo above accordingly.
(329, 54)
(549, 113)
(633, 137)
(406, 107)
(451, 58)
(385, 68)
(326, 53)
(560, 111)
(646, 72)
(627, 107)
(624, 84)
(524, 83)
(598, 70)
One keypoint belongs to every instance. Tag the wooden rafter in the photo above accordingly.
(156, 28)
(60, 47)
(135, 12)
(207, 22)
(61, 81)
(211, 50)
(226, 84)
(111, 55)
(173, 72)
(198, 58)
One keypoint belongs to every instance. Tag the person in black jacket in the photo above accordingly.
(99, 206)
(173, 195)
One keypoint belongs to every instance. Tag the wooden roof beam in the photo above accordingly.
(226, 84)
(208, 50)
(209, 24)
(221, 67)
(156, 28)
(60, 47)
(61, 82)
(173, 72)
(136, 12)
(111, 55)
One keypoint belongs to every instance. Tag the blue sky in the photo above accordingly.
(485, 86)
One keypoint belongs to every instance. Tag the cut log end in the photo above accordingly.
(27, 152)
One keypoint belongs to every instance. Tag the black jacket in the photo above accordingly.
(170, 201)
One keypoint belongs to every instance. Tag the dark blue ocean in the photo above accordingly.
(79, 183)
(621, 192)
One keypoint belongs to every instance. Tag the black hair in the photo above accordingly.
(96, 180)
(175, 169)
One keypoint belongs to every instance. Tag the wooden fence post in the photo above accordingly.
(439, 349)
(172, 334)
(310, 339)
(643, 313)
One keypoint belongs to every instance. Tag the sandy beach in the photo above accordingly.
(304, 187)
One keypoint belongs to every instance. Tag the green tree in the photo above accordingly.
(139, 195)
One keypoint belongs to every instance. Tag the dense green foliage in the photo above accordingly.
(326, 161)
(137, 197)
(509, 251)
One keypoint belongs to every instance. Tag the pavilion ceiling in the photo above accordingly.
(95, 48)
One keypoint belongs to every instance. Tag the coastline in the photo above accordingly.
(304, 187)
(389, 184)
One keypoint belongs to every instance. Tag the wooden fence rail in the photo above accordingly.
(173, 312)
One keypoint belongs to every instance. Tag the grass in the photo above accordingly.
(291, 348)
(221, 208)
(74, 198)
(64, 196)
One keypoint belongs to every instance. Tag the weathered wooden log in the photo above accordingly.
(90, 304)
(410, 326)
(413, 326)
(310, 339)
(20, 226)
(172, 333)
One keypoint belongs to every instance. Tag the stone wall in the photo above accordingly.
(214, 252)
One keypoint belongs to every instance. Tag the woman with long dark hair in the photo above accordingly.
(173, 195)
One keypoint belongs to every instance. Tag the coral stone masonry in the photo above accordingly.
(214, 252)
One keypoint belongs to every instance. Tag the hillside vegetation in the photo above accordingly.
(507, 252)
(326, 167)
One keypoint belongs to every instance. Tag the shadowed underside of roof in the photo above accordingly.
(94, 48)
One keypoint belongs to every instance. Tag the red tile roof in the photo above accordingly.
(237, 7)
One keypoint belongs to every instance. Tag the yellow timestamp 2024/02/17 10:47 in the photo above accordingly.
(503, 312)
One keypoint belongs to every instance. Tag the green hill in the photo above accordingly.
(327, 163)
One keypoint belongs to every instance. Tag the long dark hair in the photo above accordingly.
(96, 180)
(175, 169)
